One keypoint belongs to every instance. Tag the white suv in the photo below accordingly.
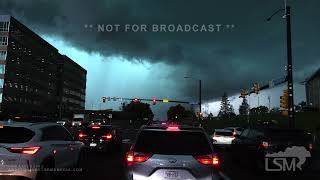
(36, 150)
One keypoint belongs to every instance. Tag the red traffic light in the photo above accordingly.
(136, 100)
(154, 101)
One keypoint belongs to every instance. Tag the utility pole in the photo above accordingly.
(200, 99)
(269, 103)
(287, 15)
(289, 69)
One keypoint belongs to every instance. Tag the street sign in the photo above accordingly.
(165, 100)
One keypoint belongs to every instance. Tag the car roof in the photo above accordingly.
(161, 127)
(30, 125)
(222, 130)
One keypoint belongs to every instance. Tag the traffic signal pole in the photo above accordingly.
(289, 69)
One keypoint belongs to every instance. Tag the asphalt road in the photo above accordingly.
(239, 171)
(98, 166)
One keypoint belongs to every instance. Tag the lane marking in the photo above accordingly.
(225, 177)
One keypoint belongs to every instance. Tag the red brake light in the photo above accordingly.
(129, 157)
(173, 128)
(95, 127)
(82, 136)
(137, 157)
(264, 145)
(25, 150)
(208, 159)
(107, 136)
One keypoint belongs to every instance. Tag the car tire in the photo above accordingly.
(44, 173)
(81, 158)
(258, 167)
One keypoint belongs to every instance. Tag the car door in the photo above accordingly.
(70, 147)
(55, 139)
(242, 143)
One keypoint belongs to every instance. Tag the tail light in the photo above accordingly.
(107, 136)
(82, 136)
(95, 127)
(173, 128)
(234, 133)
(208, 160)
(25, 150)
(132, 157)
(310, 146)
(264, 145)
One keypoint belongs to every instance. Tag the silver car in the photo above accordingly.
(36, 150)
(172, 152)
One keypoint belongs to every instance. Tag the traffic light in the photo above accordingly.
(199, 114)
(136, 100)
(244, 93)
(256, 88)
(284, 100)
(154, 101)
(104, 99)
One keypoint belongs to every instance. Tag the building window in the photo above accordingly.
(2, 68)
(1, 83)
(3, 55)
(3, 40)
(4, 26)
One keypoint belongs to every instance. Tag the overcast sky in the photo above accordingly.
(243, 50)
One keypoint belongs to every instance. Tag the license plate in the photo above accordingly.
(171, 174)
(93, 144)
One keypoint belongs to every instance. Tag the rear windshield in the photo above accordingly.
(15, 134)
(100, 131)
(223, 133)
(173, 143)
(286, 133)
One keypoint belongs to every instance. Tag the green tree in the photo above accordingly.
(226, 109)
(300, 107)
(142, 110)
(178, 113)
(275, 110)
(244, 108)
(259, 110)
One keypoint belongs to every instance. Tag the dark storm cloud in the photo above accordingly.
(253, 50)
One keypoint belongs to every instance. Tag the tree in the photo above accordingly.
(244, 108)
(300, 107)
(176, 112)
(275, 110)
(210, 116)
(259, 110)
(142, 110)
(226, 108)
